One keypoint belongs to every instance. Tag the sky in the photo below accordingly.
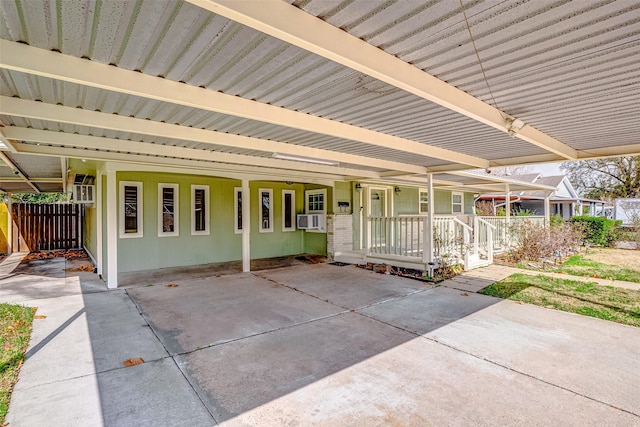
(546, 169)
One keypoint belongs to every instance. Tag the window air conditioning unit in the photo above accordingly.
(84, 193)
(310, 222)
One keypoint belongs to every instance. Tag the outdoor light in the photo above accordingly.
(304, 159)
(358, 187)
(514, 125)
(396, 190)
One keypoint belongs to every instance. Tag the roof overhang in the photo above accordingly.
(346, 90)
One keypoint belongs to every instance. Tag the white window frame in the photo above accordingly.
(237, 227)
(139, 212)
(207, 212)
(420, 202)
(262, 229)
(293, 210)
(322, 191)
(176, 210)
(461, 194)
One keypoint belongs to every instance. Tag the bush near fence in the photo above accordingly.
(597, 229)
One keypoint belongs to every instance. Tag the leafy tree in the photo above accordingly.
(510, 170)
(38, 198)
(617, 177)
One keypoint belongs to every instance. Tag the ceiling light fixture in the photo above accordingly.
(304, 159)
(514, 125)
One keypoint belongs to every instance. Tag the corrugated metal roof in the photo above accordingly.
(241, 61)
(567, 68)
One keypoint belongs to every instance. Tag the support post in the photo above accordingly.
(99, 217)
(428, 226)
(9, 224)
(112, 230)
(547, 211)
(246, 227)
(507, 207)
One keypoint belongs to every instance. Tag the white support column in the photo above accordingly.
(112, 230)
(507, 207)
(99, 255)
(428, 227)
(547, 210)
(246, 227)
(9, 225)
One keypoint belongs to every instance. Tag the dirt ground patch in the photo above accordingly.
(620, 257)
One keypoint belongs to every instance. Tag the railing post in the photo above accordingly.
(489, 244)
(367, 236)
(476, 235)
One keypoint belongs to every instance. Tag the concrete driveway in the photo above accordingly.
(312, 345)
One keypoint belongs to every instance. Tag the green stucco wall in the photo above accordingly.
(90, 229)
(222, 244)
(343, 194)
(316, 242)
(406, 201)
(152, 252)
(276, 243)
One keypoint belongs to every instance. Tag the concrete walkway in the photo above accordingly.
(315, 345)
(480, 278)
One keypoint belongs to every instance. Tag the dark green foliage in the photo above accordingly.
(38, 198)
(597, 230)
(556, 220)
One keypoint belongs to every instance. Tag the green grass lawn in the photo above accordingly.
(589, 299)
(15, 330)
(579, 266)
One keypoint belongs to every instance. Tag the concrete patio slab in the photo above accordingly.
(199, 313)
(152, 394)
(48, 278)
(411, 355)
(86, 334)
(424, 312)
(422, 383)
(236, 377)
(349, 286)
(588, 356)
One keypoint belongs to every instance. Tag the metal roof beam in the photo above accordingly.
(57, 113)
(99, 143)
(27, 59)
(294, 26)
(18, 172)
(206, 168)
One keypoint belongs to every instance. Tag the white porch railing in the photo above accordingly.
(402, 238)
(504, 234)
(396, 236)
(451, 239)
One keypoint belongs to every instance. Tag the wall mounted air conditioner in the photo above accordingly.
(84, 193)
(310, 222)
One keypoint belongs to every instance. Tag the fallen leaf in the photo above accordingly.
(464, 294)
(171, 285)
(132, 362)
(39, 316)
(520, 302)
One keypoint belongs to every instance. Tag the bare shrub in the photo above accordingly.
(484, 208)
(536, 242)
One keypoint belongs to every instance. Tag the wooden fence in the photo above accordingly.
(47, 227)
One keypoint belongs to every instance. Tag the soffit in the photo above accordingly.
(567, 67)
(181, 42)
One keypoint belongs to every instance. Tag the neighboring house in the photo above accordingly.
(564, 201)
(627, 211)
